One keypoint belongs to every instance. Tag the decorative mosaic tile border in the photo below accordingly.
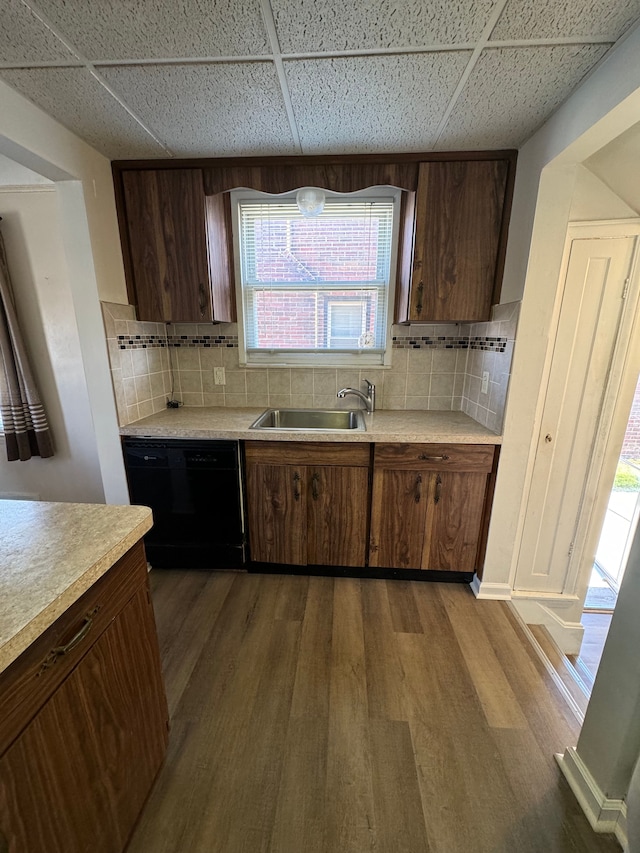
(441, 342)
(488, 344)
(182, 341)
(478, 342)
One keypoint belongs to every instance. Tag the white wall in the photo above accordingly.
(594, 200)
(549, 165)
(91, 246)
(31, 231)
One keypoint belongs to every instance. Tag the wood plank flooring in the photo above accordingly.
(332, 715)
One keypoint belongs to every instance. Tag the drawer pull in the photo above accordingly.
(296, 487)
(425, 458)
(419, 305)
(438, 491)
(60, 651)
(315, 480)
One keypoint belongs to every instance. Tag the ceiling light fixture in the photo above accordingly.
(310, 201)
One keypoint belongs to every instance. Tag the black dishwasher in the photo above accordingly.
(193, 488)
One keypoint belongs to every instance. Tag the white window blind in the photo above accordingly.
(315, 284)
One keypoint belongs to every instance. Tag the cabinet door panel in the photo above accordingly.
(77, 777)
(459, 213)
(165, 210)
(337, 517)
(277, 513)
(398, 518)
(455, 521)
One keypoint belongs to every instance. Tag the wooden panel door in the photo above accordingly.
(454, 521)
(277, 514)
(337, 500)
(588, 341)
(165, 224)
(459, 212)
(77, 777)
(398, 518)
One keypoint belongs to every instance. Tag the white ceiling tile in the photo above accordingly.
(368, 104)
(512, 91)
(325, 25)
(24, 38)
(76, 99)
(208, 110)
(523, 19)
(160, 29)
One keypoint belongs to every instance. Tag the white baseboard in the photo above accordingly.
(567, 635)
(603, 814)
(482, 589)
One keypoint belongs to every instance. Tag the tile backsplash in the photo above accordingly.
(433, 368)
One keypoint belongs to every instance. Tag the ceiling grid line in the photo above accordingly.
(89, 66)
(498, 9)
(272, 34)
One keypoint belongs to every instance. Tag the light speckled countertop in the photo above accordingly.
(50, 554)
(383, 425)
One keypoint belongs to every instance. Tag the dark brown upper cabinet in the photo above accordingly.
(177, 247)
(453, 265)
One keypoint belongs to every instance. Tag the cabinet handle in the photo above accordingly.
(203, 299)
(60, 651)
(315, 491)
(420, 291)
(296, 487)
(438, 491)
(418, 492)
(426, 458)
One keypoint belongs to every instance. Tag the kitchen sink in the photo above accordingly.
(310, 420)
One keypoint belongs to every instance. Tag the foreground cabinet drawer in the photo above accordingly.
(435, 457)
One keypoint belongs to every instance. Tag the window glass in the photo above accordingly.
(314, 284)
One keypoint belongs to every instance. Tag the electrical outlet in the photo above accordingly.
(218, 376)
(485, 382)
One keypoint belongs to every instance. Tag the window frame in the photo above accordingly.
(321, 357)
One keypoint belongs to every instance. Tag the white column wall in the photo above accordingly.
(91, 245)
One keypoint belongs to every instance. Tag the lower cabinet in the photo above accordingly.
(428, 506)
(308, 502)
(84, 722)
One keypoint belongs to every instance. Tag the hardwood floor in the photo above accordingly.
(331, 715)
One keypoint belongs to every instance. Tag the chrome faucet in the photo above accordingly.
(369, 399)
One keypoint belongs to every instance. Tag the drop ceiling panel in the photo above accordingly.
(325, 25)
(80, 103)
(376, 103)
(533, 82)
(24, 38)
(208, 110)
(523, 19)
(140, 29)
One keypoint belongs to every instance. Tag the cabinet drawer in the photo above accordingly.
(308, 453)
(34, 676)
(435, 457)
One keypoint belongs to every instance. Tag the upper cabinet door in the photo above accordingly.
(458, 238)
(169, 238)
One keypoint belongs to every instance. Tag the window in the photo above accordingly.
(315, 290)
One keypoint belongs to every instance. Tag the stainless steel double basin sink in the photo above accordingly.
(310, 420)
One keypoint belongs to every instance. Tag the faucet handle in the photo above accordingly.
(371, 392)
